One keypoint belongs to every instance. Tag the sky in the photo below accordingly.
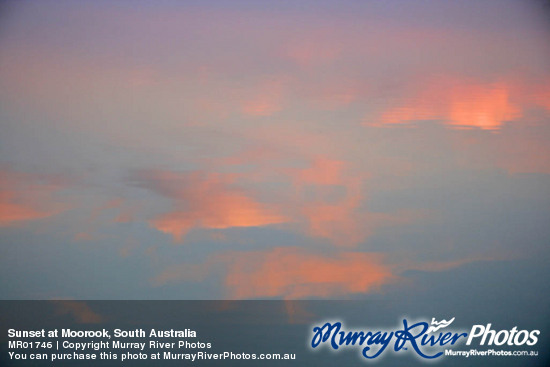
(275, 150)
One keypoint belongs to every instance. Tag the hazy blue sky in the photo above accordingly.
(289, 150)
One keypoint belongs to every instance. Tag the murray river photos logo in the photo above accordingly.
(427, 340)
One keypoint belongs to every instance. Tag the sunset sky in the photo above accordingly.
(274, 149)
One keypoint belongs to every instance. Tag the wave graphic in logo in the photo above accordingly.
(439, 325)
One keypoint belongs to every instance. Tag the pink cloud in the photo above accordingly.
(289, 273)
(458, 103)
(465, 103)
(331, 194)
(296, 273)
(205, 200)
(79, 310)
(25, 197)
(292, 273)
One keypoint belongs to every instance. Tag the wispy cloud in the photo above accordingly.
(289, 273)
(25, 197)
(79, 310)
(293, 273)
(204, 200)
(297, 273)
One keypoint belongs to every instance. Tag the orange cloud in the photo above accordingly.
(204, 200)
(289, 273)
(296, 273)
(458, 104)
(292, 273)
(330, 198)
(25, 197)
(325, 199)
(482, 106)
(323, 171)
(80, 311)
